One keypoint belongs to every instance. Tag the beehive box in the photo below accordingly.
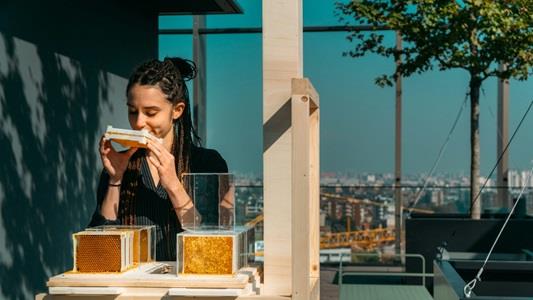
(102, 251)
(209, 253)
(143, 240)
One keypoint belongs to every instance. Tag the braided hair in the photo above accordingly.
(170, 76)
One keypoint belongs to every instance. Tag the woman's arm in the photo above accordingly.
(183, 206)
(164, 162)
(115, 164)
(97, 218)
(109, 209)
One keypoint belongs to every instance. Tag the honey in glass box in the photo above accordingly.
(214, 242)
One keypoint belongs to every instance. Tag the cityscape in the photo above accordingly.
(358, 208)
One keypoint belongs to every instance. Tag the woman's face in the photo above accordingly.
(148, 108)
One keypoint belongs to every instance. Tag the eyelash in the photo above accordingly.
(150, 114)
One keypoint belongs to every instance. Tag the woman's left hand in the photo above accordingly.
(164, 163)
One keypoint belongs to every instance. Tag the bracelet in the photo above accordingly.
(183, 206)
(111, 184)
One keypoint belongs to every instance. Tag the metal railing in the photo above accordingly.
(343, 273)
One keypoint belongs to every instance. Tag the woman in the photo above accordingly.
(142, 186)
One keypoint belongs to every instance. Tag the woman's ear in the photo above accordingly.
(177, 110)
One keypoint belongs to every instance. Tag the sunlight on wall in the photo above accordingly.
(5, 258)
(30, 69)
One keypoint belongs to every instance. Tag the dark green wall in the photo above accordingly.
(63, 70)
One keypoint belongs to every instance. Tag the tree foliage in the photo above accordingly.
(475, 35)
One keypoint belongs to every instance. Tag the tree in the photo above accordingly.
(474, 35)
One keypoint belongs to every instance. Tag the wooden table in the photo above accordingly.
(149, 282)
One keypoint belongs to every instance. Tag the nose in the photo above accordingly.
(139, 121)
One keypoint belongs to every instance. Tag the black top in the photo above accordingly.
(152, 205)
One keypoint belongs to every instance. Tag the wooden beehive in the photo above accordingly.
(103, 251)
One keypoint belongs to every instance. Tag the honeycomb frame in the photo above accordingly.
(102, 252)
(144, 244)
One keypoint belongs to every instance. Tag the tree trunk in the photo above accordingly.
(475, 207)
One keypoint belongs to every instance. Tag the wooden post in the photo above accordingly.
(305, 191)
(282, 61)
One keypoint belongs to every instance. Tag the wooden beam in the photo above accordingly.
(305, 192)
(300, 196)
(282, 61)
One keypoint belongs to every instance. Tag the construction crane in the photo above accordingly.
(353, 200)
(368, 239)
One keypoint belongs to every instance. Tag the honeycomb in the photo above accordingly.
(137, 247)
(98, 253)
(142, 247)
(144, 244)
(208, 255)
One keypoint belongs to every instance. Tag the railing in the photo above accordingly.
(361, 217)
(423, 275)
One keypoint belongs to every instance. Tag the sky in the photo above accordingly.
(356, 116)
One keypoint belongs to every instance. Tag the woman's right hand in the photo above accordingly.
(114, 162)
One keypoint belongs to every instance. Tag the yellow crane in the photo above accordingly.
(367, 239)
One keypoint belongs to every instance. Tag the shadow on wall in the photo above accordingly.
(48, 171)
(54, 101)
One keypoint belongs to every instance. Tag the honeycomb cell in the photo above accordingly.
(98, 253)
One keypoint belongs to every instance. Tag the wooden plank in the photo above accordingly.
(314, 205)
(282, 61)
(140, 278)
(300, 197)
(67, 290)
(315, 288)
(209, 292)
(135, 297)
(305, 193)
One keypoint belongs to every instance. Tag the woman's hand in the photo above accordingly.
(164, 162)
(114, 162)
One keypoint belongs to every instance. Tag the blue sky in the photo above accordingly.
(357, 117)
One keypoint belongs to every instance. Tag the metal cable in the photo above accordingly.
(470, 286)
(501, 155)
(439, 156)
